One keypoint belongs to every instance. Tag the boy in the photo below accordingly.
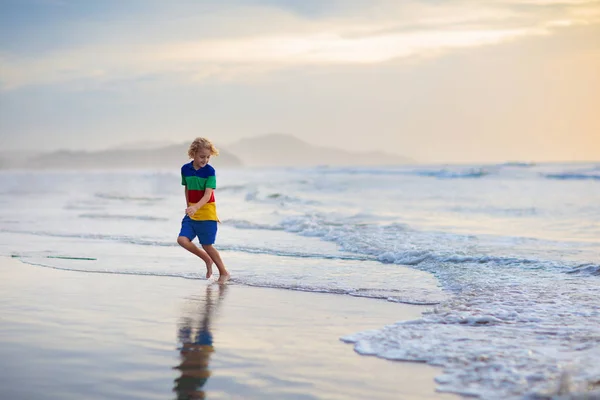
(200, 221)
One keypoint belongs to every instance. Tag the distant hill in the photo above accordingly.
(172, 156)
(286, 150)
(12, 158)
(266, 150)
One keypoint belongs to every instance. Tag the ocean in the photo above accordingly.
(507, 256)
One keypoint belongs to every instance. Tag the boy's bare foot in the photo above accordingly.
(224, 277)
(209, 269)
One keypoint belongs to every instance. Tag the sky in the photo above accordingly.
(453, 81)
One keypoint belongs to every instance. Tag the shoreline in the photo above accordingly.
(69, 334)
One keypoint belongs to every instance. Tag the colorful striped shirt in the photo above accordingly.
(197, 181)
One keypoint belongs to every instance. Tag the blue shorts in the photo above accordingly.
(206, 231)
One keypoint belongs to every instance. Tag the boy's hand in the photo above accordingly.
(191, 210)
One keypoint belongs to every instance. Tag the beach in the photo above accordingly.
(483, 277)
(74, 335)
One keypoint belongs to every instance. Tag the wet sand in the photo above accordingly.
(73, 335)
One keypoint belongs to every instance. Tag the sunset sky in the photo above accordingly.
(438, 81)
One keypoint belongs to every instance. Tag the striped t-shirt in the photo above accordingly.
(197, 181)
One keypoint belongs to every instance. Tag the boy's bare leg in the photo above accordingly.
(192, 248)
(216, 257)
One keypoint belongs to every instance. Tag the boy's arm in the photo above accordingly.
(211, 185)
(192, 209)
(184, 183)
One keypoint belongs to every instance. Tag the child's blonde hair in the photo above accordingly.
(202, 143)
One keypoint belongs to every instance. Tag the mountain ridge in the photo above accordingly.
(276, 149)
(268, 150)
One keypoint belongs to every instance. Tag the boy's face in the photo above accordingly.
(202, 156)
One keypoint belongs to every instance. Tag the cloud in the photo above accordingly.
(262, 40)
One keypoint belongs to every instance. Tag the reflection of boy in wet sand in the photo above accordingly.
(196, 350)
